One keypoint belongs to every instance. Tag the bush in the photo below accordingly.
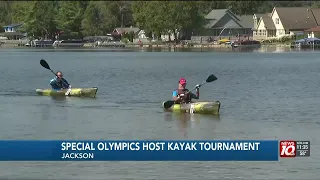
(317, 35)
(284, 39)
(125, 40)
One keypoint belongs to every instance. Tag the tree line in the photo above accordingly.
(98, 18)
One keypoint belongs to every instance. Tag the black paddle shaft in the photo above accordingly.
(209, 79)
(46, 65)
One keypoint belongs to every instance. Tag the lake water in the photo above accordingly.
(264, 95)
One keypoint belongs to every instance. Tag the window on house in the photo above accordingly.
(277, 21)
(281, 32)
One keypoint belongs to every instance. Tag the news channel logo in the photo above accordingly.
(290, 149)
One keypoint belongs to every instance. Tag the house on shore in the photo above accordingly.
(286, 21)
(265, 28)
(120, 32)
(138, 35)
(256, 18)
(314, 31)
(12, 31)
(223, 22)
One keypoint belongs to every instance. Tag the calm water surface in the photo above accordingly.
(264, 95)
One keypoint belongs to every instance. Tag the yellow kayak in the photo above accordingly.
(78, 92)
(196, 107)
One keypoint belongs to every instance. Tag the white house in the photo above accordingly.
(12, 27)
(170, 36)
(141, 37)
(285, 21)
(266, 28)
(256, 18)
(12, 31)
(142, 34)
(292, 20)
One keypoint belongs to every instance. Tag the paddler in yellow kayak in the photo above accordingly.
(58, 82)
(181, 96)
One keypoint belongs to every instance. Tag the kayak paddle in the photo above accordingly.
(211, 78)
(46, 65)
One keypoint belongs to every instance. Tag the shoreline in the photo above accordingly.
(178, 46)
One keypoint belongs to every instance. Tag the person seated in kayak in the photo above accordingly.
(180, 95)
(58, 82)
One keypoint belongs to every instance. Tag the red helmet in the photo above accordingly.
(182, 81)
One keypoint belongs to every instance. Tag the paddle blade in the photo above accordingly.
(168, 104)
(44, 64)
(211, 78)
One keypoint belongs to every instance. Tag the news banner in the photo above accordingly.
(204, 150)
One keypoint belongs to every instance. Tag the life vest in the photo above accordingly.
(60, 83)
(187, 97)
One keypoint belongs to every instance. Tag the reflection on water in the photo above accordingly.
(170, 116)
(59, 98)
(186, 120)
(68, 98)
(262, 49)
(17, 93)
(46, 112)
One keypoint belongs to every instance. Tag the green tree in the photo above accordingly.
(139, 15)
(110, 19)
(20, 11)
(152, 16)
(206, 6)
(197, 19)
(40, 19)
(122, 11)
(315, 4)
(5, 13)
(168, 16)
(243, 7)
(83, 5)
(92, 19)
(98, 18)
(185, 16)
(69, 17)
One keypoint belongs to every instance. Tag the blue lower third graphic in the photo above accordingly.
(203, 150)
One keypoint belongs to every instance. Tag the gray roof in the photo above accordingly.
(259, 15)
(246, 21)
(14, 34)
(316, 15)
(216, 17)
(127, 30)
(216, 14)
(13, 25)
(296, 17)
(268, 22)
